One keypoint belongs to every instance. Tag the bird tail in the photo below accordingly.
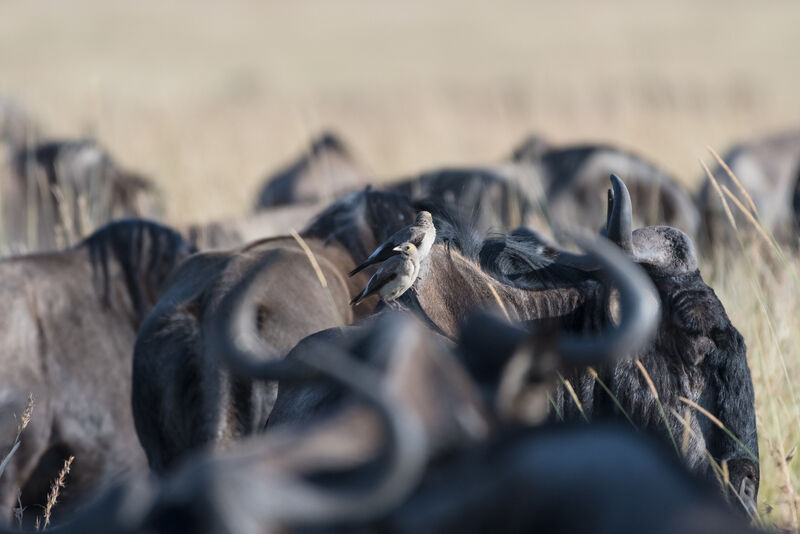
(357, 299)
(358, 269)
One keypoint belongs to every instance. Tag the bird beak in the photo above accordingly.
(397, 249)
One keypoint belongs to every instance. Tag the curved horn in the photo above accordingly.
(233, 337)
(298, 502)
(618, 228)
(639, 307)
(404, 443)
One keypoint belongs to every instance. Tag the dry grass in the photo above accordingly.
(24, 421)
(55, 488)
(207, 96)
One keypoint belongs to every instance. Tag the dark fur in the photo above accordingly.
(601, 479)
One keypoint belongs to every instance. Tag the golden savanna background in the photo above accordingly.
(206, 97)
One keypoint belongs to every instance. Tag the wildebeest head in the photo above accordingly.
(325, 169)
(697, 358)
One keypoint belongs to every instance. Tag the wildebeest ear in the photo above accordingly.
(701, 346)
(667, 250)
(744, 477)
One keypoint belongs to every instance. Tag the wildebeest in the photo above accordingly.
(68, 331)
(574, 179)
(430, 461)
(325, 170)
(57, 192)
(697, 355)
(492, 198)
(769, 170)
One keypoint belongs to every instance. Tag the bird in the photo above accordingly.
(421, 234)
(394, 276)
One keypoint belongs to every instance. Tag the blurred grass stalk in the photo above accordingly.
(763, 299)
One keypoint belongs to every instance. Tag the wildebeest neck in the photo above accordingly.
(451, 287)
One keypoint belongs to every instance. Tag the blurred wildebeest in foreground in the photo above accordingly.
(269, 222)
(349, 467)
(697, 354)
(68, 331)
(597, 478)
(17, 129)
(421, 456)
(57, 192)
(326, 170)
(574, 180)
(769, 170)
(182, 399)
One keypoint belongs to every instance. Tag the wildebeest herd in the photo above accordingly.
(420, 356)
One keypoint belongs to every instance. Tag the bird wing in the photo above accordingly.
(379, 279)
(384, 251)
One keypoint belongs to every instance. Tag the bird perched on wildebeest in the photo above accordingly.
(394, 277)
(421, 234)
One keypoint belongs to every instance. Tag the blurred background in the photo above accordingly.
(206, 97)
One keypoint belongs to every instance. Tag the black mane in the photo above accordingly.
(360, 218)
(146, 251)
